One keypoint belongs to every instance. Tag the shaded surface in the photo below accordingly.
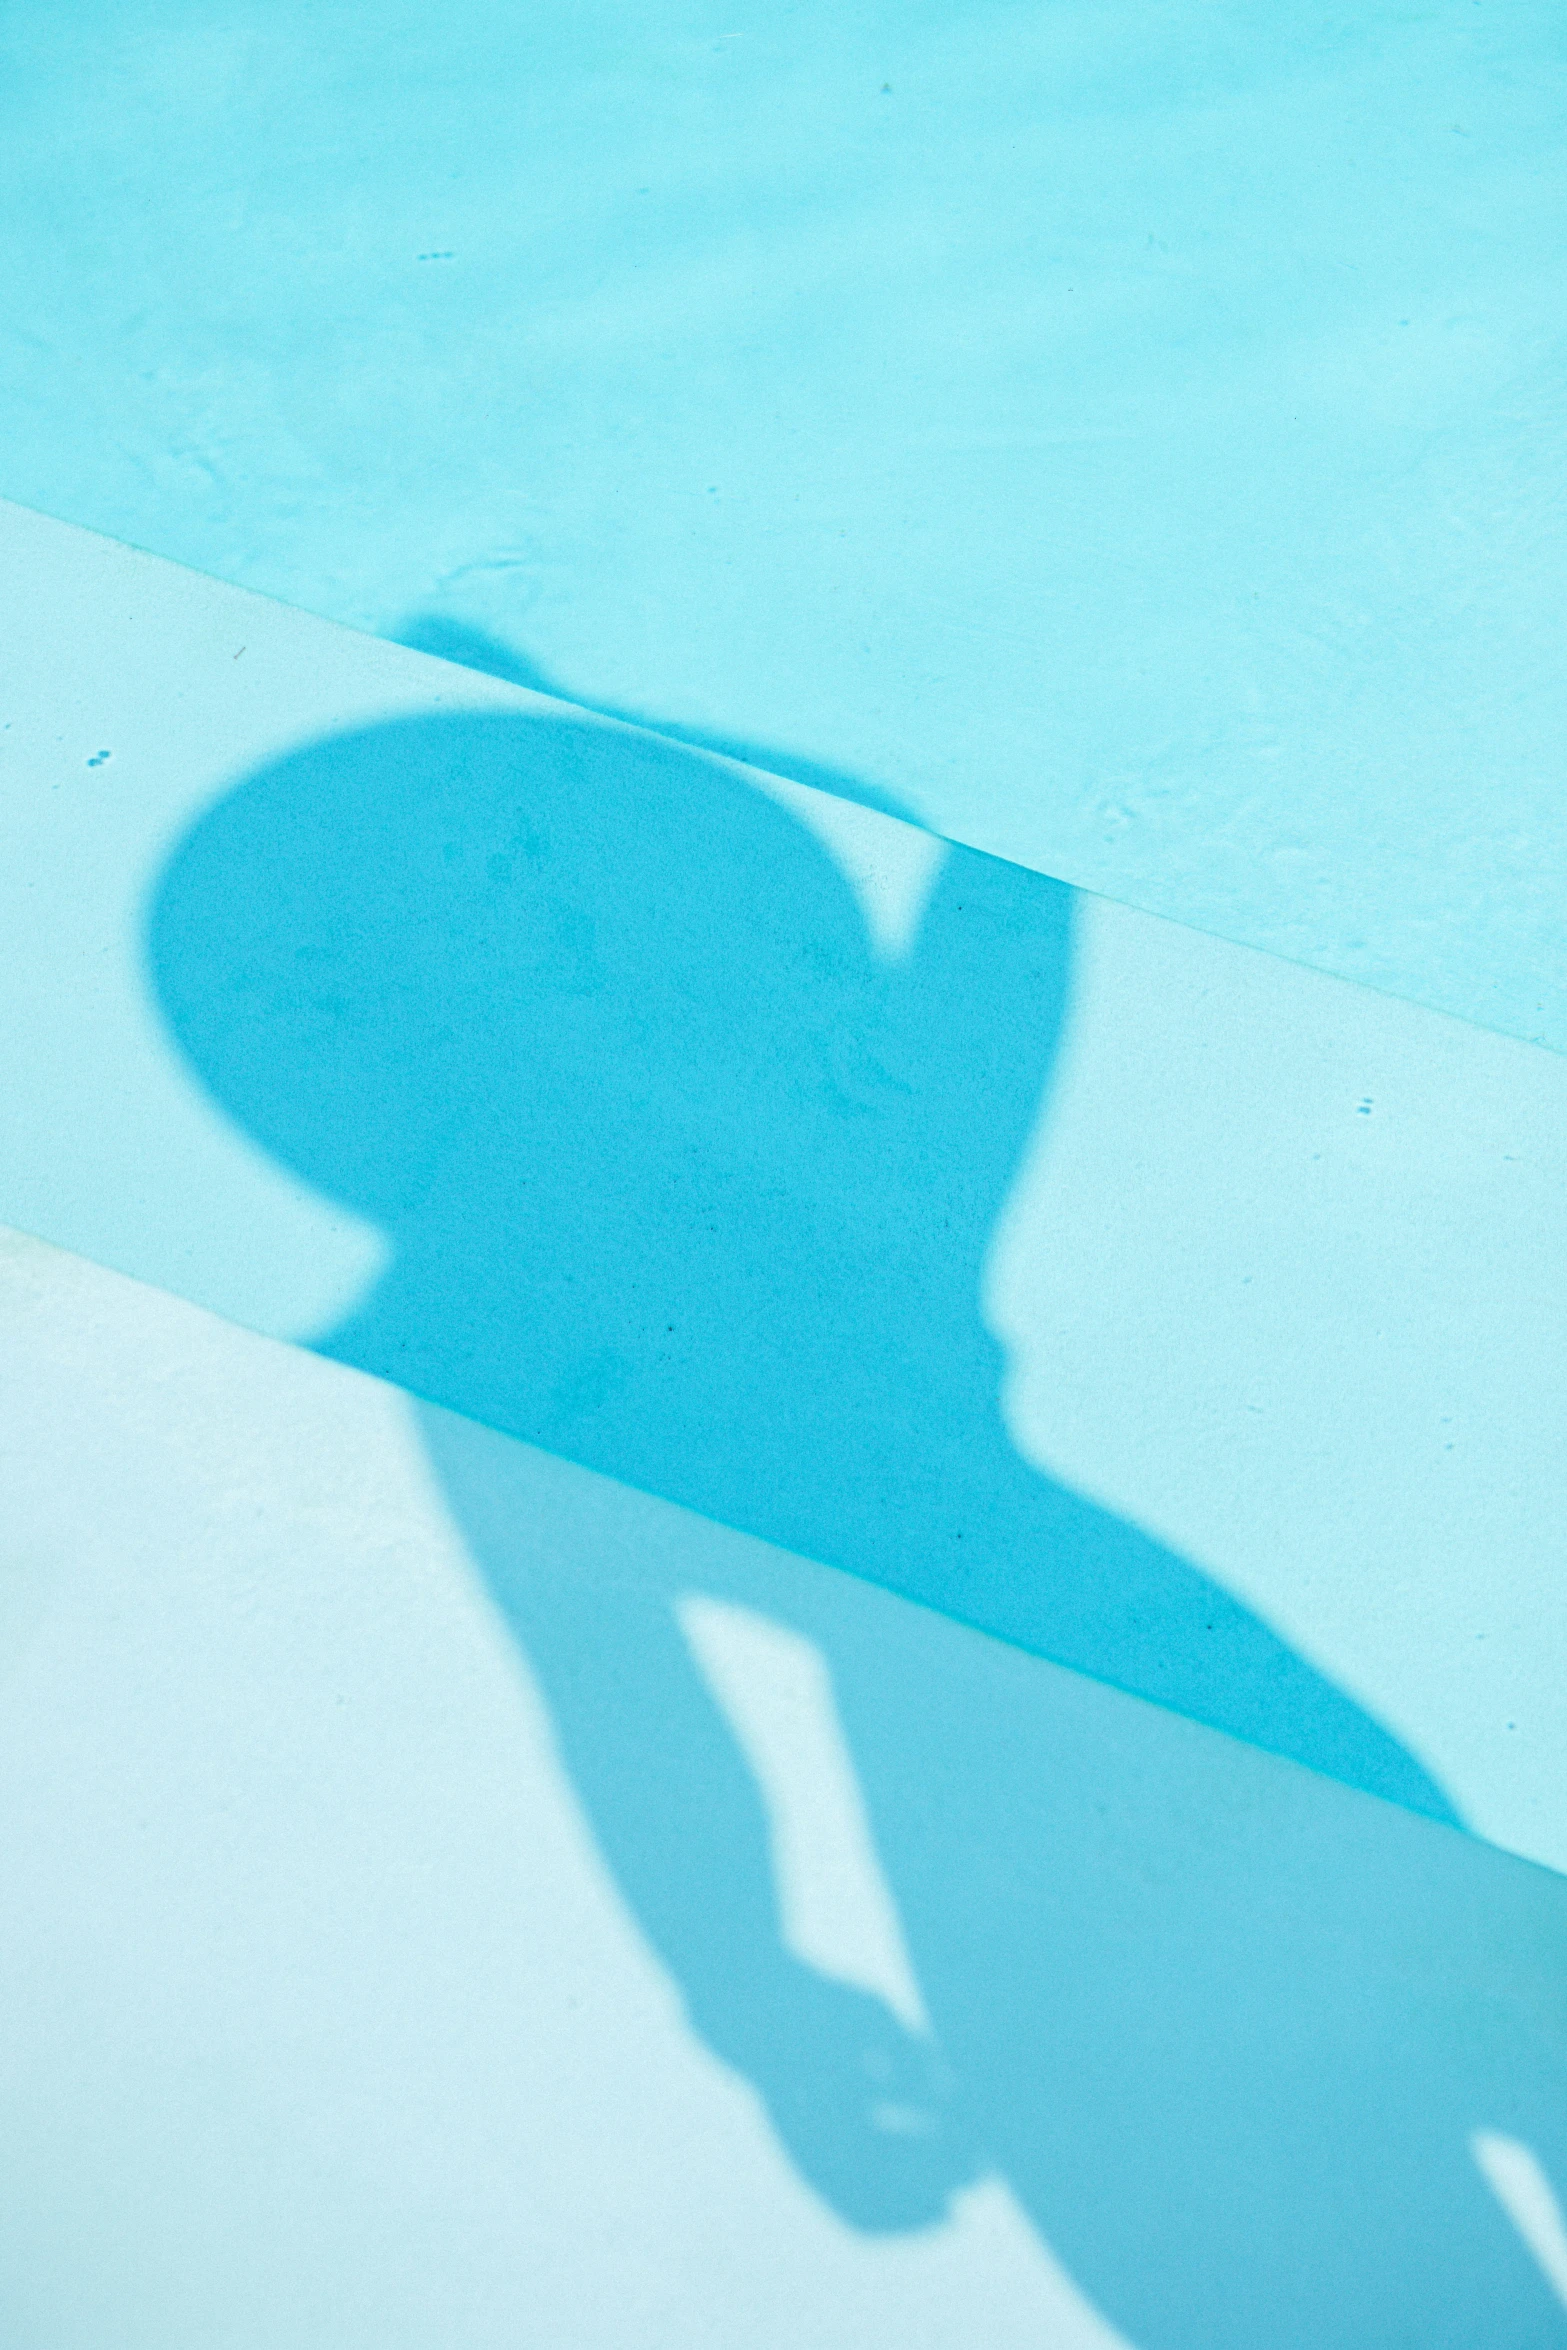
(681, 1182)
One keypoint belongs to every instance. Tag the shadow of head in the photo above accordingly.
(606, 953)
(596, 1033)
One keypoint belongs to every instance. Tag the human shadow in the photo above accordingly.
(686, 1185)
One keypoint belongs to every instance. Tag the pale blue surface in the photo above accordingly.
(1132, 438)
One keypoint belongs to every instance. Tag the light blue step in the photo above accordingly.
(1172, 1311)
(451, 1899)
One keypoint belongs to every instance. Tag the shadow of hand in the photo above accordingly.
(867, 2108)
